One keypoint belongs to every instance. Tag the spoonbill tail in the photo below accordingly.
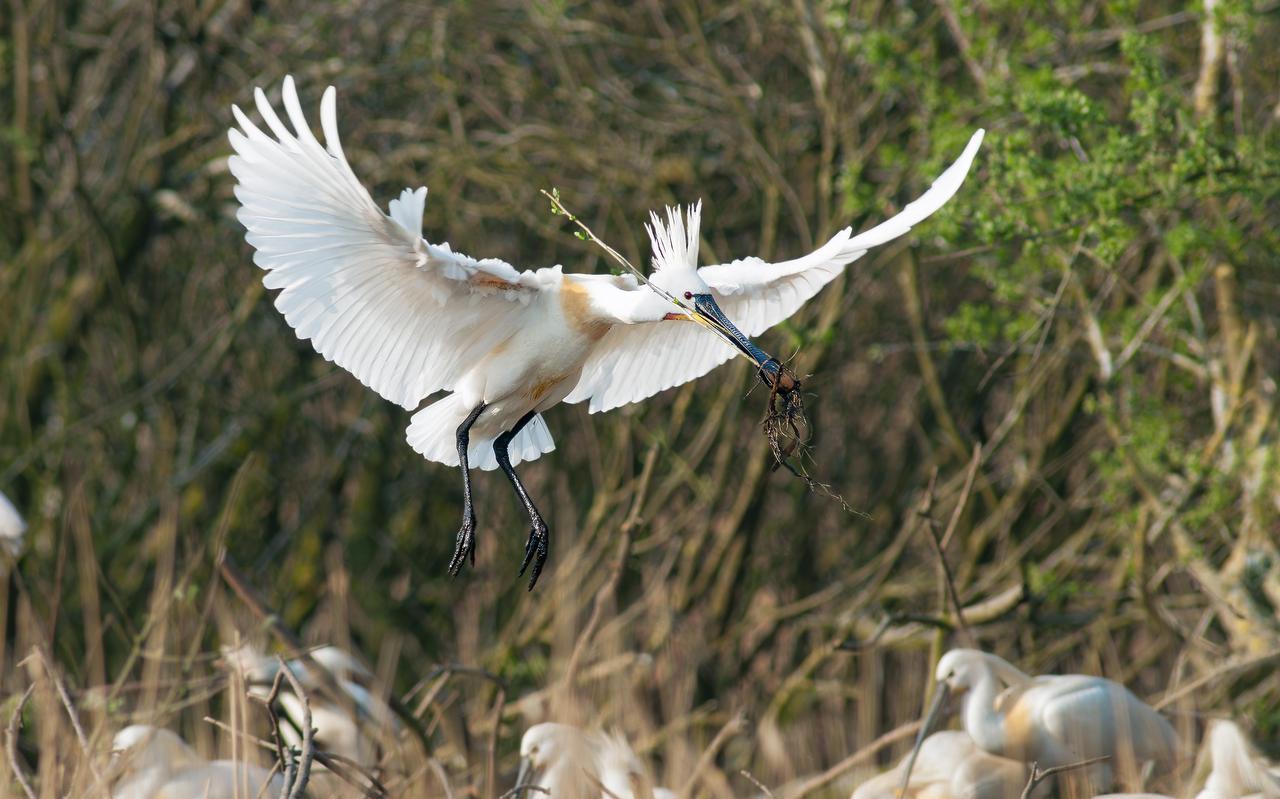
(409, 318)
(951, 766)
(153, 763)
(1052, 720)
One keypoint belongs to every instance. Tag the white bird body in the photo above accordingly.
(337, 730)
(1237, 771)
(577, 764)
(12, 527)
(154, 763)
(950, 766)
(1055, 720)
(409, 318)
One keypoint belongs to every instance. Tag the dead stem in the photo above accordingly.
(11, 744)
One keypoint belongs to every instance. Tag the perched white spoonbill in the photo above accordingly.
(1053, 720)
(1237, 771)
(337, 730)
(153, 763)
(950, 766)
(409, 318)
(12, 527)
(576, 764)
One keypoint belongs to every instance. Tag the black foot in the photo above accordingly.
(465, 547)
(535, 550)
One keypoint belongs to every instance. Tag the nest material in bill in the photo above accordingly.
(788, 430)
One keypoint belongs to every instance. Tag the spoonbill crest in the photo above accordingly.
(1053, 720)
(153, 763)
(950, 766)
(409, 318)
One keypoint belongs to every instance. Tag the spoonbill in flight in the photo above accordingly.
(409, 318)
(1052, 720)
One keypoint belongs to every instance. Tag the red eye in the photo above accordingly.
(688, 295)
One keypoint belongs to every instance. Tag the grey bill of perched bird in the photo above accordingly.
(409, 318)
(578, 764)
(1053, 720)
(951, 766)
(153, 763)
(1238, 772)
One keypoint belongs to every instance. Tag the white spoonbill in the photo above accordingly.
(1237, 771)
(338, 731)
(577, 764)
(153, 763)
(1053, 720)
(409, 318)
(950, 766)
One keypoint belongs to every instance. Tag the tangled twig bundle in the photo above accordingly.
(788, 430)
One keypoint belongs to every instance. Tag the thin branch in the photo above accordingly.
(239, 584)
(524, 787)
(731, 728)
(299, 771)
(764, 789)
(1038, 776)
(11, 744)
(865, 753)
(83, 739)
(337, 764)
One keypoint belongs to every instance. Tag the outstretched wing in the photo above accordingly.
(632, 362)
(405, 316)
(756, 295)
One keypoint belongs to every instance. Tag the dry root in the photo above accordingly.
(788, 430)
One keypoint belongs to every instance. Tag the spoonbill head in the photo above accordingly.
(410, 318)
(559, 758)
(1053, 720)
(573, 763)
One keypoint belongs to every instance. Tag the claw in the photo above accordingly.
(464, 547)
(535, 551)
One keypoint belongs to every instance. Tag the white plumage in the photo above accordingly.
(13, 528)
(153, 763)
(338, 730)
(950, 766)
(410, 318)
(577, 764)
(1054, 720)
(1238, 772)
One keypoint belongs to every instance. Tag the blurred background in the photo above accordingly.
(1065, 381)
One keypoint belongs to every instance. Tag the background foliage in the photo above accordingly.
(1081, 348)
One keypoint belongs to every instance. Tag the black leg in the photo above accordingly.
(535, 549)
(466, 544)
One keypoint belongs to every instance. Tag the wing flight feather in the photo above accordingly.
(633, 362)
(405, 316)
